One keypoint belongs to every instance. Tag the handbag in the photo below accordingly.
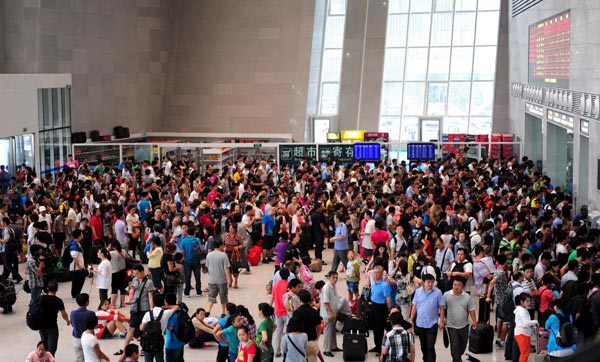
(236, 260)
(26, 287)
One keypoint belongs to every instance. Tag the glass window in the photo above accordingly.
(480, 125)
(390, 125)
(420, 6)
(396, 31)
(487, 28)
(462, 5)
(331, 67)
(63, 105)
(330, 93)
(464, 28)
(55, 110)
(334, 32)
(416, 64)
(391, 98)
(409, 130)
(337, 7)
(462, 63)
(436, 98)
(414, 99)
(443, 5)
(46, 121)
(458, 98)
(482, 101)
(439, 62)
(484, 67)
(398, 6)
(489, 5)
(394, 64)
(441, 29)
(455, 125)
(418, 30)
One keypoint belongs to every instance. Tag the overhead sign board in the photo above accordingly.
(294, 152)
(343, 153)
(421, 151)
(367, 151)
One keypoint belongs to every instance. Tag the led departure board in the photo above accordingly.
(549, 51)
(367, 151)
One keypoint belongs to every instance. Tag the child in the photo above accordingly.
(247, 347)
(294, 343)
(523, 324)
(229, 336)
(280, 249)
(529, 288)
(179, 264)
(89, 342)
(132, 353)
(352, 275)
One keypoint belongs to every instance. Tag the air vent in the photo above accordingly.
(520, 6)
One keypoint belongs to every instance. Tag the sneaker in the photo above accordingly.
(265, 261)
(187, 295)
(122, 335)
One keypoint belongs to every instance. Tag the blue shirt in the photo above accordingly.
(553, 326)
(144, 205)
(380, 291)
(187, 245)
(428, 304)
(341, 230)
(230, 334)
(269, 224)
(172, 341)
(78, 317)
(223, 322)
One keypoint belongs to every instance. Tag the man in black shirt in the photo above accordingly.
(312, 324)
(51, 305)
(319, 230)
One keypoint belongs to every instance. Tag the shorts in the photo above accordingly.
(106, 334)
(221, 290)
(268, 242)
(368, 252)
(135, 319)
(352, 286)
(118, 283)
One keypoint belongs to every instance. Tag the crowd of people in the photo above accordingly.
(423, 247)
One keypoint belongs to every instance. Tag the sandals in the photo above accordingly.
(118, 353)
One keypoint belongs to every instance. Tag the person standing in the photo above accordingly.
(103, 273)
(217, 263)
(398, 344)
(280, 287)
(427, 303)
(35, 270)
(523, 324)
(52, 305)
(89, 342)
(312, 324)
(329, 307)
(443, 259)
(268, 225)
(459, 307)
(381, 301)
(77, 266)
(191, 262)
(11, 246)
(121, 230)
(366, 235)
(78, 317)
(340, 252)
(319, 230)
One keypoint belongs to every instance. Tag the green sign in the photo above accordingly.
(258, 145)
(293, 152)
(341, 152)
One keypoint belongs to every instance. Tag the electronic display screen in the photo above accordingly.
(421, 151)
(549, 51)
(367, 151)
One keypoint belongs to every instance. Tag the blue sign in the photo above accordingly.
(421, 151)
(367, 151)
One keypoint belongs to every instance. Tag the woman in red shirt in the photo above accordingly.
(233, 244)
(96, 225)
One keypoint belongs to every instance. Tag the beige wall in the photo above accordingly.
(239, 66)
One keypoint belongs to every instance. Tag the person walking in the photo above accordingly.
(398, 344)
(427, 303)
(52, 305)
(340, 246)
(329, 307)
(77, 267)
(191, 262)
(312, 324)
(218, 276)
(11, 246)
(381, 302)
(35, 270)
(78, 317)
(459, 307)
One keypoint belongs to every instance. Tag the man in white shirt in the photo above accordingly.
(366, 234)
(121, 231)
(45, 216)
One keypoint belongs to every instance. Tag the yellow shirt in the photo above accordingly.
(154, 258)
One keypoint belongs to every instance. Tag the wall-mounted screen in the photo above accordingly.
(549, 51)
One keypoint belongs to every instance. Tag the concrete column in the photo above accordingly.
(557, 156)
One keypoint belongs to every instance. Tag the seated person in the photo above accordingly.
(109, 320)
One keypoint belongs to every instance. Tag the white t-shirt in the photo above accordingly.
(121, 232)
(369, 229)
(104, 277)
(131, 219)
(88, 341)
(163, 320)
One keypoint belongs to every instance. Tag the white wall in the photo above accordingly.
(19, 103)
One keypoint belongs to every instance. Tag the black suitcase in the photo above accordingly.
(126, 133)
(119, 132)
(355, 346)
(95, 135)
(481, 339)
(356, 325)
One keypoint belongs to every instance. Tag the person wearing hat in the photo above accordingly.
(398, 343)
(44, 215)
(459, 306)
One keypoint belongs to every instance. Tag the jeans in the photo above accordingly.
(188, 269)
(78, 279)
(11, 266)
(157, 276)
(154, 356)
(174, 355)
(427, 337)
(35, 294)
(281, 322)
(50, 336)
(232, 356)
(458, 342)
(339, 256)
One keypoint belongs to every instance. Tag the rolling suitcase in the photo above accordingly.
(355, 346)
(254, 255)
(119, 132)
(541, 342)
(481, 339)
(95, 135)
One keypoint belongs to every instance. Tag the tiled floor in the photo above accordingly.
(17, 340)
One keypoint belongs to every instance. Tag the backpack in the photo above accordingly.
(566, 332)
(152, 335)
(8, 294)
(508, 302)
(258, 357)
(35, 314)
(185, 331)
(67, 259)
(199, 251)
(13, 244)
